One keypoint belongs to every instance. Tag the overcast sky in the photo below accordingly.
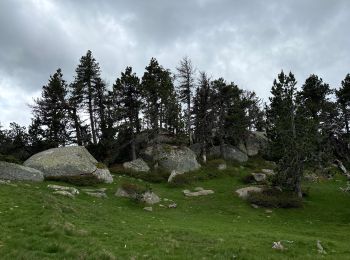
(245, 41)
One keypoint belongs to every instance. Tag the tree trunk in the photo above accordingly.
(77, 127)
(222, 152)
(204, 152)
(92, 121)
(189, 120)
(133, 146)
(346, 120)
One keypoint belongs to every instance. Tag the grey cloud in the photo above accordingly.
(247, 42)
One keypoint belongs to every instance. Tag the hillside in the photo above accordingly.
(37, 224)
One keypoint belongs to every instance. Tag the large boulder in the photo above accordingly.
(172, 158)
(73, 163)
(137, 165)
(254, 143)
(231, 153)
(16, 172)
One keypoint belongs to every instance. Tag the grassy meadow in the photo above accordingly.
(36, 224)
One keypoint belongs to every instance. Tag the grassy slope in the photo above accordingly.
(36, 224)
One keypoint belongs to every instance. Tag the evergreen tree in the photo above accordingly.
(87, 84)
(157, 86)
(186, 77)
(126, 92)
(203, 112)
(50, 109)
(343, 98)
(285, 135)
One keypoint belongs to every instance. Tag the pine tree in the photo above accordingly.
(51, 110)
(343, 98)
(186, 77)
(156, 88)
(203, 111)
(126, 93)
(87, 83)
(285, 134)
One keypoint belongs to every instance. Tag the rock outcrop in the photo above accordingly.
(231, 153)
(169, 157)
(244, 192)
(69, 163)
(137, 165)
(147, 197)
(16, 172)
(254, 143)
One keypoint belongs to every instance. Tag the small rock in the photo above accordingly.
(268, 171)
(198, 189)
(186, 191)
(320, 248)
(95, 190)
(198, 193)
(172, 206)
(244, 192)
(148, 208)
(259, 177)
(268, 211)
(278, 245)
(254, 206)
(222, 166)
(97, 194)
(150, 198)
(64, 193)
(71, 190)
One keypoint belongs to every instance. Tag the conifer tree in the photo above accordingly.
(126, 92)
(87, 82)
(343, 98)
(186, 78)
(51, 110)
(203, 113)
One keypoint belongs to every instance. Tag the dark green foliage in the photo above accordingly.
(50, 114)
(79, 180)
(248, 179)
(275, 199)
(161, 107)
(87, 89)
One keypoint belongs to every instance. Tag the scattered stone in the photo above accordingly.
(97, 194)
(222, 166)
(64, 193)
(268, 211)
(259, 177)
(16, 172)
(162, 206)
(244, 192)
(320, 248)
(172, 206)
(197, 193)
(95, 190)
(148, 208)
(277, 245)
(268, 171)
(254, 206)
(150, 198)
(72, 163)
(198, 189)
(71, 190)
(137, 165)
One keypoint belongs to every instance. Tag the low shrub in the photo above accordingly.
(83, 180)
(275, 199)
(132, 188)
(100, 165)
(248, 179)
(9, 158)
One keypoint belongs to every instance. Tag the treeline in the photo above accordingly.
(308, 127)
(186, 103)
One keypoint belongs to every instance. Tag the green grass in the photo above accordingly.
(35, 224)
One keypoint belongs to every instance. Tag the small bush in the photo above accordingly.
(132, 188)
(275, 199)
(10, 159)
(80, 180)
(248, 179)
(100, 165)
(155, 176)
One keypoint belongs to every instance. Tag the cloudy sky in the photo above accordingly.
(245, 41)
